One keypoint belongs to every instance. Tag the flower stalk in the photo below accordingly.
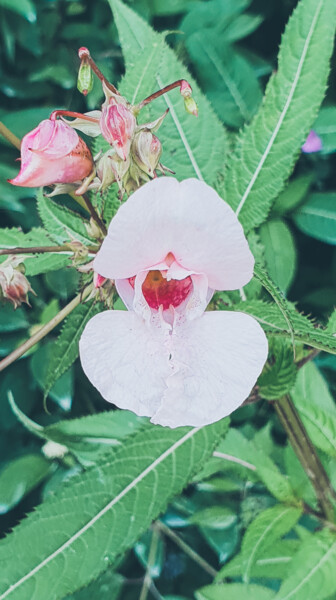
(45, 329)
(306, 453)
(9, 136)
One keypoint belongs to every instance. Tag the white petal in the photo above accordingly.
(188, 219)
(126, 360)
(216, 360)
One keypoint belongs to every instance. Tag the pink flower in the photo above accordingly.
(313, 143)
(168, 248)
(53, 153)
(117, 124)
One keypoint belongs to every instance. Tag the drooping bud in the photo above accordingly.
(104, 169)
(14, 286)
(146, 151)
(190, 106)
(80, 252)
(53, 153)
(313, 143)
(117, 125)
(185, 89)
(85, 77)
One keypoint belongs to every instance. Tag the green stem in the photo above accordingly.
(94, 214)
(159, 93)
(306, 453)
(9, 136)
(45, 329)
(151, 560)
(186, 549)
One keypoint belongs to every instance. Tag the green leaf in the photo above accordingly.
(43, 263)
(267, 148)
(62, 389)
(292, 195)
(325, 127)
(25, 8)
(317, 217)
(228, 77)
(269, 526)
(65, 349)
(62, 224)
(311, 573)
(20, 477)
(189, 147)
(233, 591)
(271, 564)
(316, 407)
(214, 517)
(107, 587)
(278, 376)
(280, 252)
(92, 512)
(12, 320)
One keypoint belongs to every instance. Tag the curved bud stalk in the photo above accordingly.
(14, 286)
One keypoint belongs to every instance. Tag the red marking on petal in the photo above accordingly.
(160, 292)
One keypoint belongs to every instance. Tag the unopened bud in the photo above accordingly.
(13, 283)
(146, 151)
(85, 77)
(190, 106)
(185, 89)
(93, 230)
(79, 250)
(98, 280)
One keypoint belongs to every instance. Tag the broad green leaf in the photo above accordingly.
(270, 564)
(317, 217)
(229, 79)
(215, 15)
(273, 321)
(316, 407)
(311, 573)
(65, 349)
(267, 148)
(237, 451)
(292, 195)
(25, 8)
(280, 252)
(192, 147)
(325, 127)
(12, 320)
(107, 587)
(89, 521)
(19, 477)
(63, 224)
(43, 263)
(63, 388)
(278, 376)
(214, 517)
(233, 591)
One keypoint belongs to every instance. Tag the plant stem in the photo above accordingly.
(186, 549)
(71, 113)
(147, 582)
(307, 455)
(41, 249)
(9, 136)
(159, 93)
(45, 329)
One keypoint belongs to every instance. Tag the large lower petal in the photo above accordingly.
(216, 362)
(196, 376)
(126, 360)
(187, 219)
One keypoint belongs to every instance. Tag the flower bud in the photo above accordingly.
(104, 169)
(185, 89)
(85, 78)
(53, 153)
(313, 143)
(117, 125)
(13, 283)
(190, 106)
(146, 151)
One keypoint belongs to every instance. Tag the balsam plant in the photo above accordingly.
(257, 517)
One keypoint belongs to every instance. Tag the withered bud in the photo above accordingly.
(93, 230)
(14, 286)
(79, 250)
(146, 151)
(190, 106)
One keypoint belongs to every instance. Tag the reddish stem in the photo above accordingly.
(159, 93)
(84, 53)
(70, 113)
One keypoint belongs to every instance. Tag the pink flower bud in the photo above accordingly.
(117, 125)
(98, 280)
(53, 153)
(313, 143)
(185, 89)
(13, 283)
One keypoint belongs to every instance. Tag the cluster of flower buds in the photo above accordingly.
(54, 154)
(14, 286)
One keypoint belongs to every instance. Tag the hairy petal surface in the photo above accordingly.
(187, 219)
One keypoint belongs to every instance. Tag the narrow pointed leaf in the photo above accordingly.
(101, 513)
(267, 148)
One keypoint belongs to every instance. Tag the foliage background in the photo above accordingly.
(39, 42)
